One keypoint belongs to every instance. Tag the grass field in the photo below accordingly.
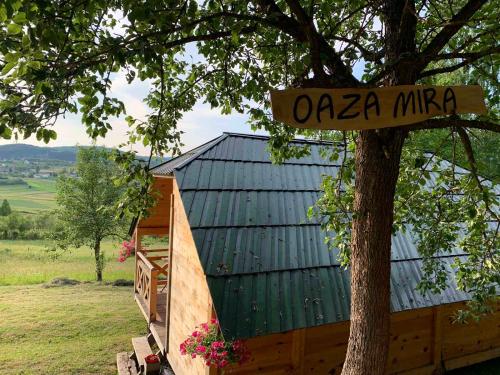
(38, 195)
(28, 262)
(68, 329)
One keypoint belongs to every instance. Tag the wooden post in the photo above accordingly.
(153, 293)
(170, 260)
(135, 237)
(297, 352)
(437, 343)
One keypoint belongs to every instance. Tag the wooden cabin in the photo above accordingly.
(240, 247)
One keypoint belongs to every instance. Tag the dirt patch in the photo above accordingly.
(123, 282)
(60, 281)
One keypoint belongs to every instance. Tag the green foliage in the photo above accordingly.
(5, 208)
(27, 227)
(87, 204)
(58, 57)
(485, 144)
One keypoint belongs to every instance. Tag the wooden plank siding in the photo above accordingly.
(190, 302)
(159, 215)
(422, 342)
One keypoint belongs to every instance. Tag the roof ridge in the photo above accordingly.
(195, 155)
(295, 140)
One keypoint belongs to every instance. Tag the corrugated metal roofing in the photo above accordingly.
(267, 265)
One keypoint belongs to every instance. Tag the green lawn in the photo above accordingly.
(28, 262)
(38, 195)
(66, 330)
(63, 330)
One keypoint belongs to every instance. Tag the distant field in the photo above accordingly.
(28, 262)
(38, 195)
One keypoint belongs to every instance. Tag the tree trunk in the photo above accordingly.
(98, 261)
(378, 155)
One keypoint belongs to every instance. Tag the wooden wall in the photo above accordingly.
(159, 215)
(190, 302)
(422, 341)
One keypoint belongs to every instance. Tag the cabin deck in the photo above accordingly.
(157, 325)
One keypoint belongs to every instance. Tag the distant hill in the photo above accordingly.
(20, 151)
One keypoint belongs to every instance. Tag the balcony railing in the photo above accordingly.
(149, 276)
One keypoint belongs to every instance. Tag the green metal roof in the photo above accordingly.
(267, 265)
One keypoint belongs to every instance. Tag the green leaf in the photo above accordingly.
(20, 18)
(3, 14)
(13, 29)
(8, 67)
(26, 41)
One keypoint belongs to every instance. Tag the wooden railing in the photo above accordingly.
(146, 286)
(149, 274)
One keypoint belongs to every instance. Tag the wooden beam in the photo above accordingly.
(437, 342)
(471, 359)
(169, 276)
(155, 231)
(297, 352)
(125, 365)
(142, 350)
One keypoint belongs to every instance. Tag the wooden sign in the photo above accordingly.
(360, 109)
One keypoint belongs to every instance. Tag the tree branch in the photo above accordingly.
(467, 55)
(342, 76)
(455, 122)
(447, 32)
(367, 55)
(464, 137)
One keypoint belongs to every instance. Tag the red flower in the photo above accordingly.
(201, 348)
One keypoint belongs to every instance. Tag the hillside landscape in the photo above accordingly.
(28, 174)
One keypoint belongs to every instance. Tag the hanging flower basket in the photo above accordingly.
(207, 342)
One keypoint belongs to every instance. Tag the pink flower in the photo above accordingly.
(195, 334)
(201, 349)
(217, 344)
(223, 363)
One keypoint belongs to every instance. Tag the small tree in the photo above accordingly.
(86, 204)
(5, 209)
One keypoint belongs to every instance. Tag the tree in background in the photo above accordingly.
(5, 209)
(59, 57)
(87, 205)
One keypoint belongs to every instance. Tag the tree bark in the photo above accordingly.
(378, 155)
(98, 261)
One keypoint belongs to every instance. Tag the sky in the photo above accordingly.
(199, 125)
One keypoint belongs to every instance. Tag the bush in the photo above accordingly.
(17, 226)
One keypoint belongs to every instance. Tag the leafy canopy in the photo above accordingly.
(60, 56)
